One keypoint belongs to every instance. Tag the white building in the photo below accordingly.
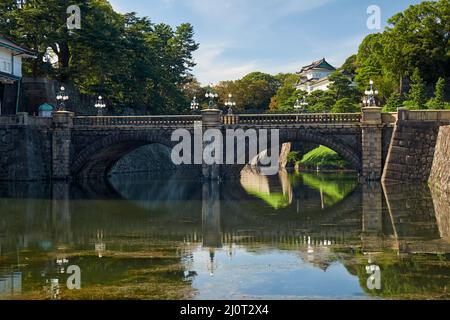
(315, 76)
(11, 55)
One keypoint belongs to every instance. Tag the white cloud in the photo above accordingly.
(212, 67)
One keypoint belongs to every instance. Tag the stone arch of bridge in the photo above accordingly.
(97, 159)
(330, 140)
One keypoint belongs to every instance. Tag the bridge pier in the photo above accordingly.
(61, 140)
(371, 129)
(211, 119)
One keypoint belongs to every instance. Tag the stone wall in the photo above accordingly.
(24, 153)
(440, 172)
(411, 152)
(441, 202)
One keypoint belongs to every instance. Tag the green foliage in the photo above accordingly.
(323, 157)
(393, 103)
(252, 93)
(129, 60)
(438, 101)
(415, 39)
(334, 187)
(320, 101)
(345, 105)
(341, 88)
(293, 157)
(286, 95)
(350, 65)
(416, 96)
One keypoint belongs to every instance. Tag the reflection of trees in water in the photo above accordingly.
(277, 195)
(278, 191)
(417, 276)
(332, 187)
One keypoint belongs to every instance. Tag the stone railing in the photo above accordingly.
(389, 117)
(137, 121)
(8, 120)
(424, 115)
(308, 118)
(24, 119)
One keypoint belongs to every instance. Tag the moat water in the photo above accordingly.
(291, 236)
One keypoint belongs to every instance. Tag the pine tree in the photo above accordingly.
(416, 97)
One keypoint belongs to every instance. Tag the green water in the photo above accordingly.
(290, 236)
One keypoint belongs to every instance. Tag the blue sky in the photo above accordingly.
(240, 36)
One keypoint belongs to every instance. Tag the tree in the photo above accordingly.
(273, 82)
(286, 95)
(416, 38)
(128, 59)
(320, 101)
(345, 105)
(393, 103)
(350, 65)
(438, 101)
(341, 87)
(416, 96)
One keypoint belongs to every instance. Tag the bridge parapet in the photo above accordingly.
(158, 121)
(306, 118)
(424, 115)
(25, 119)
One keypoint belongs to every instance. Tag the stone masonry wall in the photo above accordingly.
(412, 151)
(440, 172)
(24, 153)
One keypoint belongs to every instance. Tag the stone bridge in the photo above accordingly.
(66, 146)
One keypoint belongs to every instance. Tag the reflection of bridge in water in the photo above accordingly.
(221, 214)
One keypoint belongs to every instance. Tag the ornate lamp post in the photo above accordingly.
(369, 100)
(61, 98)
(300, 105)
(230, 103)
(100, 105)
(194, 105)
(211, 96)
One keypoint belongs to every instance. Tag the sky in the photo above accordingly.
(237, 37)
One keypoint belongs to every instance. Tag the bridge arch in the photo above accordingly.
(97, 158)
(329, 139)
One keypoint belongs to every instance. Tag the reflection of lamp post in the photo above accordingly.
(62, 264)
(212, 264)
(211, 96)
(369, 99)
(100, 105)
(194, 105)
(230, 103)
(232, 251)
(61, 98)
(100, 247)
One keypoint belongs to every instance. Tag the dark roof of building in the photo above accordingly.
(12, 45)
(322, 64)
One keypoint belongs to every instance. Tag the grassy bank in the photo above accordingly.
(321, 157)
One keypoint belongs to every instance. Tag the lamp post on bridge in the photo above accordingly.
(230, 103)
(369, 100)
(211, 95)
(194, 105)
(61, 98)
(100, 105)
